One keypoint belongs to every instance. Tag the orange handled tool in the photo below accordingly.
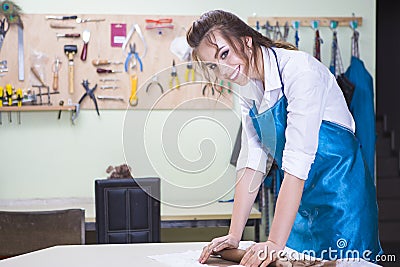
(70, 51)
(56, 69)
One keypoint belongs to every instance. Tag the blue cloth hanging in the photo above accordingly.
(362, 109)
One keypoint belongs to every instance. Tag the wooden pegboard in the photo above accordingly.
(41, 47)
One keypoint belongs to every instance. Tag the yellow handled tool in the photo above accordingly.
(1, 95)
(133, 99)
(9, 92)
(19, 96)
(1, 102)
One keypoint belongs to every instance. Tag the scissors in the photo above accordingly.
(3, 30)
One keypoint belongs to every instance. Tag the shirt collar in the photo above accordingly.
(254, 90)
(271, 71)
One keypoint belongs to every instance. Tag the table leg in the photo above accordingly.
(257, 231)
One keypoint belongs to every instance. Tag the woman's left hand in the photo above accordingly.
(261, 254)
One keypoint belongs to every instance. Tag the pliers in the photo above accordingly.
(132, 53)
(189, 70)
(222, 87)
(208, 85)
(154, 81)
(89, 92)
(174, 77)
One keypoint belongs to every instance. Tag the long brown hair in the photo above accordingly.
(234, 31)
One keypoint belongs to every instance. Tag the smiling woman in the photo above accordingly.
(293, 110)
(228, 48)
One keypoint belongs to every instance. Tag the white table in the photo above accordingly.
(213, 215)
(99, 255)
(121, 255)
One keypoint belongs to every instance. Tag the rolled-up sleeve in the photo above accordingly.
(306, 95)
(252, 154)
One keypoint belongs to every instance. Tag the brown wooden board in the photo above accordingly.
(41, 47)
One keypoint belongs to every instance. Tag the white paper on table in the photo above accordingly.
(190, 258)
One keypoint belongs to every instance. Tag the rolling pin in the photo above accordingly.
(236, 255)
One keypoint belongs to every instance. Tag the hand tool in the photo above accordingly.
(277, 32)
(89, 92)
(104, 87)
(61, 17)
(21, 64)
(135, 28)
(154, 81)
(174, 77)
(108, 80)
(4, 27)
(3, 67)
(103, 62)
(56, 69)
(159, 24)
(101, 70)
(189, 70)
(81, 20)
(75, 113)
(68, 35)
(37, 75)
(222, 87)
(70, 51)
(19, 103)
(1, 102)
(61, 26)
(108, 97)
(210, 86)
(9, 93)
(132, 54)
(85, 38)
(61, 103)
(133, 99)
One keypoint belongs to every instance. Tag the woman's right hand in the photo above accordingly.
(218, 244)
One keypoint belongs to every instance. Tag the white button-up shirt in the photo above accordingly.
(313, 95)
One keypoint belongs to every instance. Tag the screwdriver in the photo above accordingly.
(68, 35)
(100, 70)
(19, 99)
(9, 92)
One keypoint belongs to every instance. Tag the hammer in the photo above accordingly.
(70, 51)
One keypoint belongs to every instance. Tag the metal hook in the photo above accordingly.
(315, 24)
(353, 23)
(333, 25)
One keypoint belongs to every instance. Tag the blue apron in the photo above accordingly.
(338, 210)
(362, 109)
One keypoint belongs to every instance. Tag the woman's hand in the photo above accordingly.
(218, 244)
(261, 254)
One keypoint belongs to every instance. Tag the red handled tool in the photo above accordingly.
(85, 38)
(101, 70)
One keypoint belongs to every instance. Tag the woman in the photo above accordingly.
(296, 112)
